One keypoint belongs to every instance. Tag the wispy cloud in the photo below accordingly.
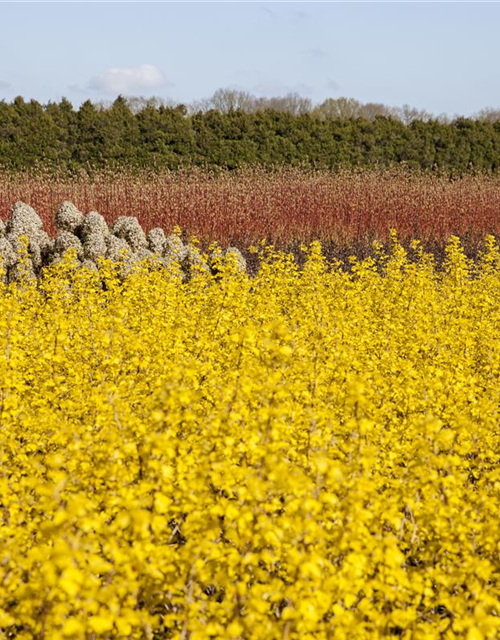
(285, 14)
(5, 85)
(316, 52)
(129, 80)
(268, 11)
(301, 15)
(332, 85)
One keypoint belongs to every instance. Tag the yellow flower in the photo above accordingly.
(253, 457)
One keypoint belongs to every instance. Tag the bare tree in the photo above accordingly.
(137, 103)
(408, 114)
(292, 103)
(225, 101)
(489, 114)
(443, 118)
(103, 105)
(199, 106)
(371, 110)
(335, 108)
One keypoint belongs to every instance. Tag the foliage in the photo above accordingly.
(306, 454)
(346, 210)
(158, 136)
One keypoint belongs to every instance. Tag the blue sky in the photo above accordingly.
(443, 57)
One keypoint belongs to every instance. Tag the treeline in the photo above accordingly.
(163, 136)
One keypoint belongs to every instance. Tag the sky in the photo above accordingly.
(442, 57)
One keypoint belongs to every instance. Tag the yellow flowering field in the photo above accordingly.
(304, 454)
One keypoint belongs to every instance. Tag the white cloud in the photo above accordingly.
(128, 80)
(5, 85)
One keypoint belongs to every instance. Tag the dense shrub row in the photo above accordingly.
(58, 135)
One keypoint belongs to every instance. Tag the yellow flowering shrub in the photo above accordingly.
(306, 454)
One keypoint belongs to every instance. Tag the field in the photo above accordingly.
(303, 450)
(346, 211)
(304, 454)
(250, 333)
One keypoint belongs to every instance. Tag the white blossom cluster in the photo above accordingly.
(89, 235)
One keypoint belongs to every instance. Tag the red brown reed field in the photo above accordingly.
(346, 210)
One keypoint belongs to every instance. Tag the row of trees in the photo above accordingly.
(227, 100)
(152, 134)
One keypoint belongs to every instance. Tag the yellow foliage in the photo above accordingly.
(304, 454)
